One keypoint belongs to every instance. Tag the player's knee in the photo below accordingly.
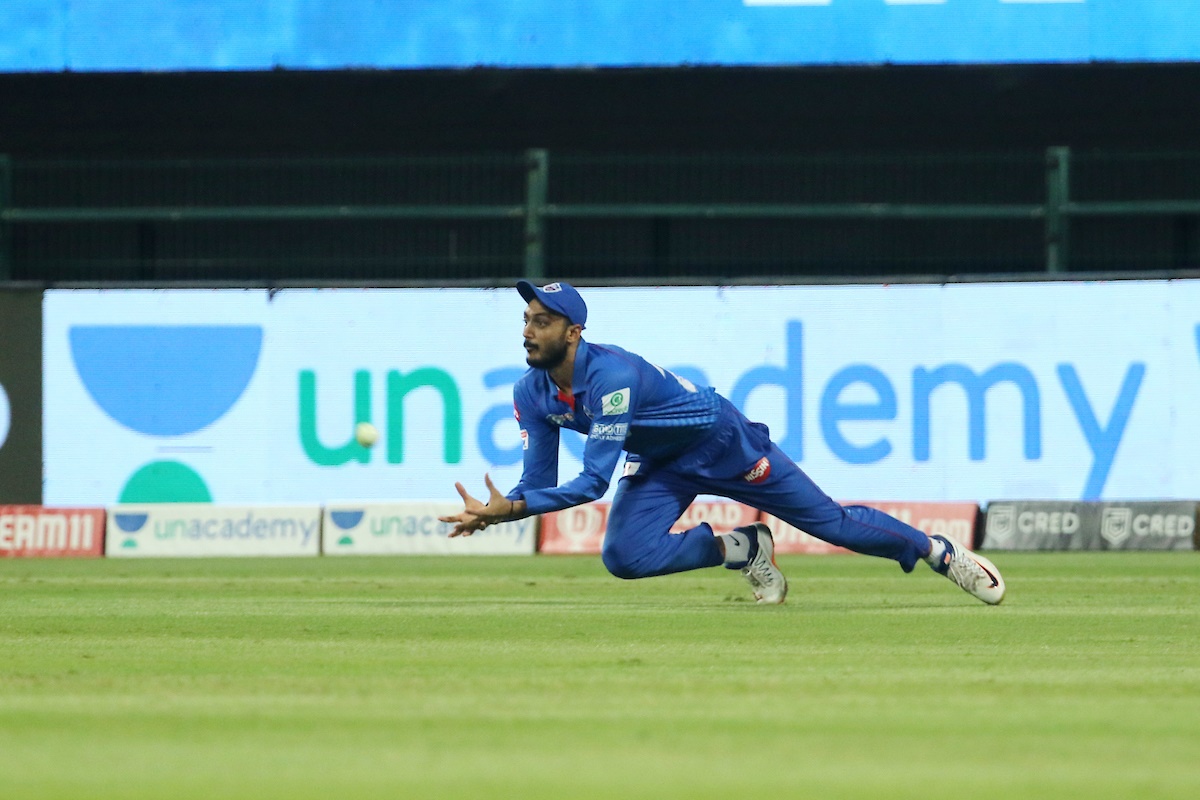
(620, 562)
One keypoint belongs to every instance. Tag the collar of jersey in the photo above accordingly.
(582, 356)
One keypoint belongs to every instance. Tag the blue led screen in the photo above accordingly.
(121, 35)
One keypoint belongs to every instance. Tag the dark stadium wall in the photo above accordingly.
(21, 403)
(938, 108)
(865, 111)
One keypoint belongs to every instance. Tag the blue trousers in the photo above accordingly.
(729, 462)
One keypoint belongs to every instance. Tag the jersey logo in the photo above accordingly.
(524, 439)
(609, 431)
(615, 403)
(516, 412)
(760, 472)
(560, 419)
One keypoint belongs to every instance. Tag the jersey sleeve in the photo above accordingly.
(614, 398)
(539, 443)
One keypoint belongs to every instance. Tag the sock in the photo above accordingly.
(737, 548)
(936, 551)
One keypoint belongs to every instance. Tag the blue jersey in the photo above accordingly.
(623, 403)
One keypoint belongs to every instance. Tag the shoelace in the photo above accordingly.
(967, 573)
(759, 573)
(751, 576)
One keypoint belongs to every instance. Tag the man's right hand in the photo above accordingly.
(476, 516)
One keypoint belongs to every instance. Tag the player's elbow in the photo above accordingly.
(594, 489)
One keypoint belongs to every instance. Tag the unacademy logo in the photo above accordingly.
(130, 524)
(165, 381)
(5, 415)
(346, 520)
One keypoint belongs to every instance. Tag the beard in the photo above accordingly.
(547, 356)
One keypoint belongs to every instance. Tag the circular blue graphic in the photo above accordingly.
(346, 519)
(166, 380)
(131, 523)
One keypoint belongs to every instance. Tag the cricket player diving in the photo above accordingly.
(681, 440)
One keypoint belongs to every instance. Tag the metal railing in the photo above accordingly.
(538, 211)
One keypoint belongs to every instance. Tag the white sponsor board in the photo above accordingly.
(205, 529)
(413, 528)
(959, 392)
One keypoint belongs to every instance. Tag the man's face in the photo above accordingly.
(547, 336)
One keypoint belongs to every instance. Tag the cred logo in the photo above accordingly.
(1001, 524)
(1115, 525)
(1119, 524)
(761, 471)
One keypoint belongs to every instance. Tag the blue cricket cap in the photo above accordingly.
(560, 298)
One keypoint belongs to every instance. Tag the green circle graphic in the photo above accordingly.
(165, 482)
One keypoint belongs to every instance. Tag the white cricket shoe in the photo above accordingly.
(766, 581)
(971, 571)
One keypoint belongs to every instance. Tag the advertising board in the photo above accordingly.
(413, 528)
(581, 529)
(38, 532)
(955, 521)
(203, 529)
(1051, 525)
(955, 393)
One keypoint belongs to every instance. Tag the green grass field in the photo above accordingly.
(545, 678)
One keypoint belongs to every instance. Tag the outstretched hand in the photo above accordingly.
(475, 515)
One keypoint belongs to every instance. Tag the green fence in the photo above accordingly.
(494, 217)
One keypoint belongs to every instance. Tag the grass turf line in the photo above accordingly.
(546, 678)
